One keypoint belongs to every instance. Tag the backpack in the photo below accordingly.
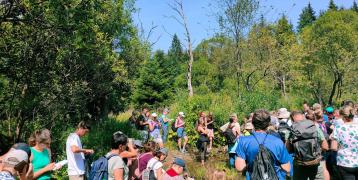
(305, 143)
(99, 168)
(229, 136)
(148, 173)
(137, 123)
(283, 129)
(263, 165)
(174, 129)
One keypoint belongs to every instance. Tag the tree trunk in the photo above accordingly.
(337, 79)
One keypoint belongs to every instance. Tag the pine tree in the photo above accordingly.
(284, 31)
(332, 6)
(174, 62)
(307, 17)
(151, 88)
(355, 7)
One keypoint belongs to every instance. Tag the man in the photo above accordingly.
(234, 126)
(15, 163)
(306, 165)
(75, 153)
(176, 170)
(248, 147)
(142, 124)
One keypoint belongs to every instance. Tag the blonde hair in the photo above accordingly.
(318, 114)
(39, 136)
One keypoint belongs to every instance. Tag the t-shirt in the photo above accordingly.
(172, 175)
(162, 120)
(142, 118)
(116, 162)
(156, 131)
(4, 175)
(347, 137)
(154, 164)
(39, 161)
(76, 164)
(248, 148)
(143, 161)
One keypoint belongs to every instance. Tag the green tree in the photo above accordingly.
(332, 6)
(151, 88)
(307, 17)
(331, 46)
(355, 6)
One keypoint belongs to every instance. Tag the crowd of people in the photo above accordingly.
(315, 143)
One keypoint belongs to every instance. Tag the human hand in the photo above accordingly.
(89, 151)
(50, 167)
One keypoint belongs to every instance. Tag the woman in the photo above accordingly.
(117, 169)
(156, 163)
(40, 157)
(154, 130)
(210, 127)
(179, 124)
(203, 140)
(143, 159)
(346, 142)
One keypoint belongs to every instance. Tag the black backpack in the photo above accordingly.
(282, 129)
(263, 165)
(304, 138)
(174, 129)
(229, 136)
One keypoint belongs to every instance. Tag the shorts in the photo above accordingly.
(211, 133)
(180, 132)
(76, 177)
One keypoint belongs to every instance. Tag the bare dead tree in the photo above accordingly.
(178, 8)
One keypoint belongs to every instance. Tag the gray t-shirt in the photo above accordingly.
(114, 163)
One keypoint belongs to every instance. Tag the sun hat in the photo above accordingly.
(181, 114)
(283, 113)
(249, 126)
(23, 146)
(15, 156)
(164, 151)
(179, 162)
(154, 114)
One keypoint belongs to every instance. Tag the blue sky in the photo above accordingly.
(202, 21)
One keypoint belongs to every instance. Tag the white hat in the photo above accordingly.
(283, 113)
(15, 156)
(181, 114)
(154, 114)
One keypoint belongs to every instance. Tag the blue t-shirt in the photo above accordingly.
(248, 148)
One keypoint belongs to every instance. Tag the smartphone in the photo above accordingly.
(20, 167)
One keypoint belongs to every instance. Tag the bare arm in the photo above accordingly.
(240, 164)
(286, 167)
(118, 174)
(76, 149)
(334, 145)
(130, 153)
(159, 173)
(151, 126)
(324, 145)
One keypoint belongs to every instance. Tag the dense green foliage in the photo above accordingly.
(307, 17)
(64, 61)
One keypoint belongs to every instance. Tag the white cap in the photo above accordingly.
(181, 114)
(154, 114)
(15, 156)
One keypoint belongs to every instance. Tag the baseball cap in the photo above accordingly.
(15, 156)
(179, 162)
(182, 114)
(329, 109)
(22, 146)
(164, 151)
(138, 143)
(154, 114)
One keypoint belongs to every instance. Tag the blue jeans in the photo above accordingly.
(165, 133)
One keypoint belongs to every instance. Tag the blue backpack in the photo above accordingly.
(99, 168)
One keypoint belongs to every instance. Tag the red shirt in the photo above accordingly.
(172, 173)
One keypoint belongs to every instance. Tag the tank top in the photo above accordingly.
(39, 161)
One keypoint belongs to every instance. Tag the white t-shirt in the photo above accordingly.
(155, 164)
(76, 164)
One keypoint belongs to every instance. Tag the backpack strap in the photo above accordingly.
(110, 156)
(258, 141)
